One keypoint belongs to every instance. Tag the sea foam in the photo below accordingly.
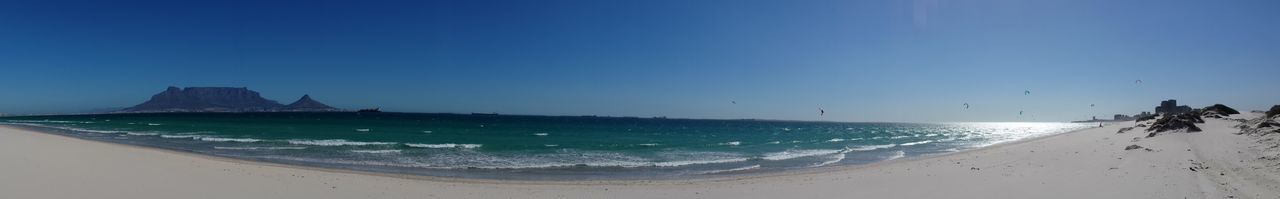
(792, 154)
(336, 142)
(445, 145)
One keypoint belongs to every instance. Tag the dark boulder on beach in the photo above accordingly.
(1171, 122)
(1132, 147)
(1218, 109)
(1275, 110)
(1145, 118)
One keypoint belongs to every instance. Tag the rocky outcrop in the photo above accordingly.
(220, 99)
(1170, 122)
(308, 104)
(1275, 110)
(1218, 111)
(1145, 118)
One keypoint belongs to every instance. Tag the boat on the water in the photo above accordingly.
(370, 110)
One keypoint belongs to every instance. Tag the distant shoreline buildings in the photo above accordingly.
(1171, 107)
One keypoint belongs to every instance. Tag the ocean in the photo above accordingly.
(535, 147)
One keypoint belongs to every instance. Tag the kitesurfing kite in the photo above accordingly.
(1019, 112)
(734, 102)
(1026, 92)
(1090, 105)
(966, 105)
(821, 112)
(1137, 81)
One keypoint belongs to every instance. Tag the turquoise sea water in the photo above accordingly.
(535, 147)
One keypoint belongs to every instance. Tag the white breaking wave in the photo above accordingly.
(445, 146)
(336, 142)
(153, 124)
(836, 140)
(52, 121)
(551, 145)
(915, 143)
(733, 143)
(835, 158)
(362, 130)
(376, 151)
(182, 136)
(693, 162)
(72, 129)
(896, 155)
(873, 147)
(733, 169)
(141, 134)
(648, 144)
(792, 154)
(774, 142)
(541, 134)
(259, 148)
(218, 139)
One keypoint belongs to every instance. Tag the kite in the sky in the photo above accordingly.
(821, 112)
(1137, 81)
(966, 105)
(1090, 105)
(734, 102)
(1026, 92)
(1019, 112)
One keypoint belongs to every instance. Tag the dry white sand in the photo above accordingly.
(1084, 164)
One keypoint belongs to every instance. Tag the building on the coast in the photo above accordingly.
(1171, 107)
(1123, 117)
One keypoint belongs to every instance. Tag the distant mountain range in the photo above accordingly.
(223, 99)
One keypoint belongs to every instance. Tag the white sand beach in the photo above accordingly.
(1089, 163)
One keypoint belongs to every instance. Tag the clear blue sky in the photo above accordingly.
(893, 60)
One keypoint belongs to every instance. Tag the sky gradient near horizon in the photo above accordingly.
(899, 60)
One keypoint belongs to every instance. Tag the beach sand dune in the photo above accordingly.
(1093, 163)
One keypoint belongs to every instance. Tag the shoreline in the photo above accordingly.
(677, 180)
(1088, 163)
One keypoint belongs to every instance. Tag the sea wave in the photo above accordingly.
(444, 146)
(336, 142)
(873, 147)
(52, 121)
(752, 167)
(73, 128)
(915, 143)
(141, 134)
(895, 155)
(834, 159)
(792, 154)
(218, 139)
(376, 151)
(182, 136)
(541, 134)
(695, 162)
(733, 143)
(259, 148)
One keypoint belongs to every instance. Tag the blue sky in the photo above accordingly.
(900, 60)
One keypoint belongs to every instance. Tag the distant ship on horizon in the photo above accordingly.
(370, 110)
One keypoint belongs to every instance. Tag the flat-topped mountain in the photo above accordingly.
(221, 99)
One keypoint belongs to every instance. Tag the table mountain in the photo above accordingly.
(220, 99)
